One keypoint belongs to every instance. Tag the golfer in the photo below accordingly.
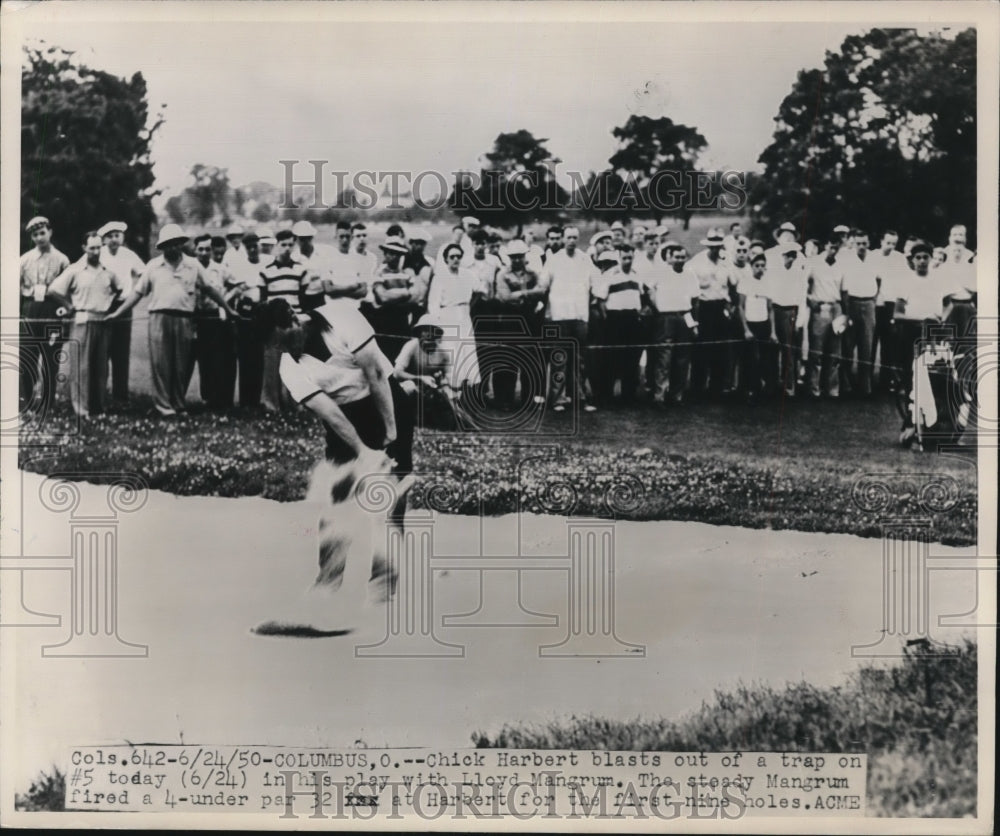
(331, 364)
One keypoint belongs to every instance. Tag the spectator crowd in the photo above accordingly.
(490, 320)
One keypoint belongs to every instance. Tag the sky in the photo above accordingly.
(434, 96)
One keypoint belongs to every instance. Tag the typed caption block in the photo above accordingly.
(372, 784)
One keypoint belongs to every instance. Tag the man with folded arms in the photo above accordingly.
(89, 289)
(394, 289)
(172, 281)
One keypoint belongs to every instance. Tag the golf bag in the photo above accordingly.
(936, 410)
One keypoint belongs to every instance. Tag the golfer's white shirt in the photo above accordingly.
(340, 376)
(671, 291)
(891, 269)
(860, 277)
(757, 293)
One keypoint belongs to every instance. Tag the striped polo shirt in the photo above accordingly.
(285, 281)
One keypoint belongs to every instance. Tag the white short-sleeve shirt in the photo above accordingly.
(340, 376)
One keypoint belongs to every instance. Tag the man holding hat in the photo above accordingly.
(394, 289)
(172, 281)
(89, 289)
(711, 357)
(673, 292)
(518, 293)
(39, 268)
(824, 289)
(128, 267)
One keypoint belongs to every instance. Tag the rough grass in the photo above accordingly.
(916, 721)
(715, 463)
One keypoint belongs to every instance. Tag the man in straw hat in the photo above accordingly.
(40, 341)
(172, 281)
(128, 267)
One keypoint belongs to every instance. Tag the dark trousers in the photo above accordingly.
(507, 349)
(250, 356)
(760, 360)
(712, 354)
(670, 357)
(962, 316)
(40, 346)
(392, 329)
(364, 416)
(119, 353)
(88, 366)
(215, 351)
(885, 344)
(621, 355)
(565, 354)
(789, 344)
(860, 337)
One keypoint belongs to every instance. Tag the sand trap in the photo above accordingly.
(707, 605)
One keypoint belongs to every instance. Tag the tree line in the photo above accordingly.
(884, 131)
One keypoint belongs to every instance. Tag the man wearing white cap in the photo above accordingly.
(673, 292)
(535, 259)
(600, 242)
(235, 253)
(244, 293)
(617, 234)
(957, 252)
(266, 241)
(710, 372)
(128, 267)
(824, 289)
(172, 281)
(393, 290)
(787, 283)
(858, 299)
(89, 289)
(39, 268)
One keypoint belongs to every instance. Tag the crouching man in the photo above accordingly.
(332, 365)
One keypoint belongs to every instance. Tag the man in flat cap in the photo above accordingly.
(620, 294)
(127, 267)
(40, 341)
(172, 281)
(787, 281)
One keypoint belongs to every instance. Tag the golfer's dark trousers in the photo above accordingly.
(860, 337)
(909, 332)
(621, 355)
(760, 360)
(364, 416)
(513, 330)
(712, 353)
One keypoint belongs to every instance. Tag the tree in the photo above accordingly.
(653, 152)
(85, 149)
(883, 136)
(210, 194)
(516, 185)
